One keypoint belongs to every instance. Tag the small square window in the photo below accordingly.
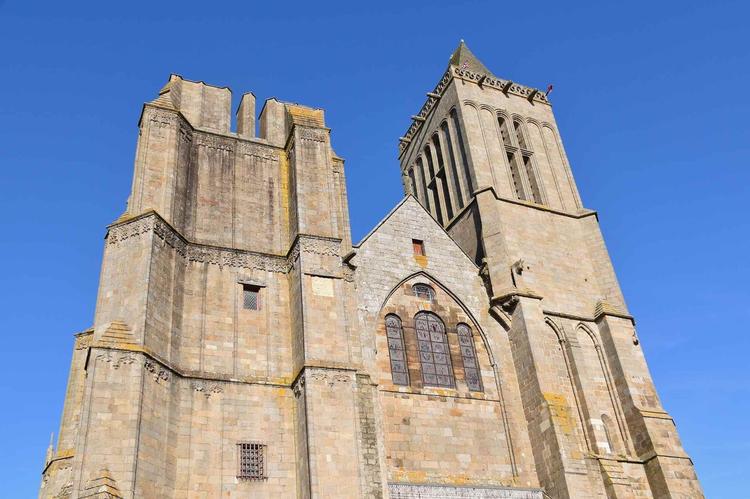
(418, 247)
(251, 461)
(250, 297)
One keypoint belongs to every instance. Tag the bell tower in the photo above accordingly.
(485, 158)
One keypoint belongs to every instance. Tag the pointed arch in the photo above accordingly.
(621, 425)
(435, 283)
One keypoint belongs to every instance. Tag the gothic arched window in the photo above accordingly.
(469, 356)
(434, 353)
(423, 291)
(396, 350)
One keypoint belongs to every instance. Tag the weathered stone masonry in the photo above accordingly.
(475, 344)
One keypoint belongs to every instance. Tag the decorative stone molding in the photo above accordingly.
(328, 377)
(319, 246)
(207, 388)
(116, 360)
(223, 257)
(157, 371)
(160, 119)
(312, 135)
(132, 228)
(410, 491)
(505, 86)
(215, 142)
(265, 153)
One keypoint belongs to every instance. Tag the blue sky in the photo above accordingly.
(649, 97)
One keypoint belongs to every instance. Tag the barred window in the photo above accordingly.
(396, 350)
(434, 353)
(469, 356)
(250, 297)
(251, 461)
(423, 291)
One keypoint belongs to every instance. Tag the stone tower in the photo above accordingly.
(485, 158)
(474, 344)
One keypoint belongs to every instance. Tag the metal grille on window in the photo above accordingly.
(423, 291)
(397, 350)
(469, 356)
(250, 297)
(434, 353)
(251, 457)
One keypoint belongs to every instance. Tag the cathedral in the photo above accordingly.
(475, 343)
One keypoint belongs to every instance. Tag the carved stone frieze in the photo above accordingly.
(158, 372)
(466, 75)
(223, 257)
(257, 151)
(160, 119)
(215, 142)
(319, 246)
(410, 491)
(207, 388)
(328, 377)
(135, 228)
(312, 135)
(116, 359)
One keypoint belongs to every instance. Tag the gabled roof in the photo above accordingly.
(464, 59)
(410, 199)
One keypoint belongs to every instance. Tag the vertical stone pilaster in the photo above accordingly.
(669, 469)
(549, 402)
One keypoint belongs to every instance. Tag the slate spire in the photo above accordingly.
(465, 59)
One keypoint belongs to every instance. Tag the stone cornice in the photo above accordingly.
(129, 227)
(454, 72)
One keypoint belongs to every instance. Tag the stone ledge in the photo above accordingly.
(412, 491)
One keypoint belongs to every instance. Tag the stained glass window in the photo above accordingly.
(397, 350)
(469, 356)
(434, 353)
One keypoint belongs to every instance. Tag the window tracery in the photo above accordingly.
(423, 291)
(396, 350)
(434, 352)
(469, 357)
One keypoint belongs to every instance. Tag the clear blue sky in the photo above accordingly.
(650, 98)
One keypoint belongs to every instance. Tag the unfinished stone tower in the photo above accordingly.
(474, 344)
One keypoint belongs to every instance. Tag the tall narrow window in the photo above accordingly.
(523, 175)
(462, 149)
(443, 177)
(396, 350)
(432, 185)
(452, 164)
(251, 457)
(533, 183)
(515, 174)
(519, 135)
(434, 354)
(413, 183)
(504, 134)
(422, 176)
(469, 356)
(250, 297)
